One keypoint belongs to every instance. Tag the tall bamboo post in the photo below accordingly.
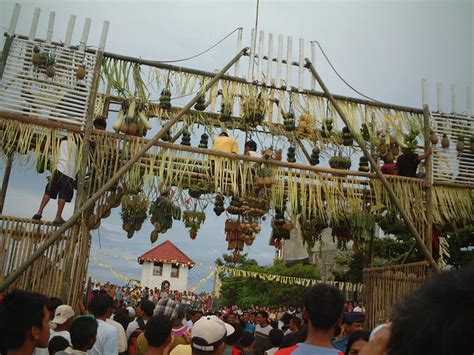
(6, 179)
(428, 180)
(111, 182)
(377, 171)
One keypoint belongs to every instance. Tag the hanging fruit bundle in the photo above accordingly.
(289, 121)
(307, 125)
(134, 207)
(219, 205)
(236, 206)
(162, 212)
(265, 178)
(347, 138)
(193, 220)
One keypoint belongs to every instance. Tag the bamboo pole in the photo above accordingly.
(90, 202)
(88, 130)
(73, 128)
(374, 165)
(428, 180)
(6, 178)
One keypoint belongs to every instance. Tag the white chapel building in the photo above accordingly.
(165, 262)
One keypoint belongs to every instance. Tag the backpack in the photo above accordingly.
(132, 341)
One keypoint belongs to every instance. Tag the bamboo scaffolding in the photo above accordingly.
(375, 167)
(90, 202)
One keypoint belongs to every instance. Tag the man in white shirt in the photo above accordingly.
(121, 334)
(61, 183)
(360, 307)
(107, 336)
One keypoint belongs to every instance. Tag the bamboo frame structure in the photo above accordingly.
(379, 174)
(89, 203)
(386, 286)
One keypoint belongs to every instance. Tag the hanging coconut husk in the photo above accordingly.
(445, 141)
(460, 144)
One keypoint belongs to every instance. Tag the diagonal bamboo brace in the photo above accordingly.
(111, 182)
(377, 171)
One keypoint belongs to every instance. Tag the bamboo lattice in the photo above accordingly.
(384, 287)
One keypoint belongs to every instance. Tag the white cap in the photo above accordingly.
(131, 311)
(209, 332)
(62, 314)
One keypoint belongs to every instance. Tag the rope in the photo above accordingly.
(340, 77)
(201, 53)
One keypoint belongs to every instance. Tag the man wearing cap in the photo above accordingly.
(208, 337)
(63, 317)
(353, 322)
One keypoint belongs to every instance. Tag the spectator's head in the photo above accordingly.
(83, 333)
(53, 303)
(101, 305)
(100, 124)
(262, 318)
(223, 134)
(131, 312)
(158, 331)
(121, 316)
(57, 343)
(147, 308)
(276, 337)
(356, 342)
(295, 324)
(354, 322)
(436, 319)
(250, 146)
(323, 306)
(231, 318)
(167, 307)
(24, 320)
(208, 335)
(246, 340)
(180, 314)
(63, 317)
(236, 335)
(196, 316)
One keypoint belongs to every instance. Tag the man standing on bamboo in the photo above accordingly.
(62, 181)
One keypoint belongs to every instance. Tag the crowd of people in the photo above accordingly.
(436, 319)
(132, 295)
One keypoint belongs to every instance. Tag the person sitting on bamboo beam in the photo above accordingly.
(407, 163)
(62, 181)
(226, 144)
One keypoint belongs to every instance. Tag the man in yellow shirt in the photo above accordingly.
(224, 143)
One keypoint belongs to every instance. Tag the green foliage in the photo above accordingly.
(461, 246)
(245, 292)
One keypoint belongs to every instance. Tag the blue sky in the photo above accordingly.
(383, 48)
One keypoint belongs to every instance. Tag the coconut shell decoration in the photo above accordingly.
(81, 72)
(460, 144)
(445, 141)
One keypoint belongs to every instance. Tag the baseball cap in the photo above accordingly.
(209, 332)
(62, 314)
(131, 311)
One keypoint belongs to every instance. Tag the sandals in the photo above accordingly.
(58, 222)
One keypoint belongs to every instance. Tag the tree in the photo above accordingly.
(245, 292)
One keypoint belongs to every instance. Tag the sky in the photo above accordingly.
(382, 48)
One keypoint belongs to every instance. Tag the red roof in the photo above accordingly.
(166, 252)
